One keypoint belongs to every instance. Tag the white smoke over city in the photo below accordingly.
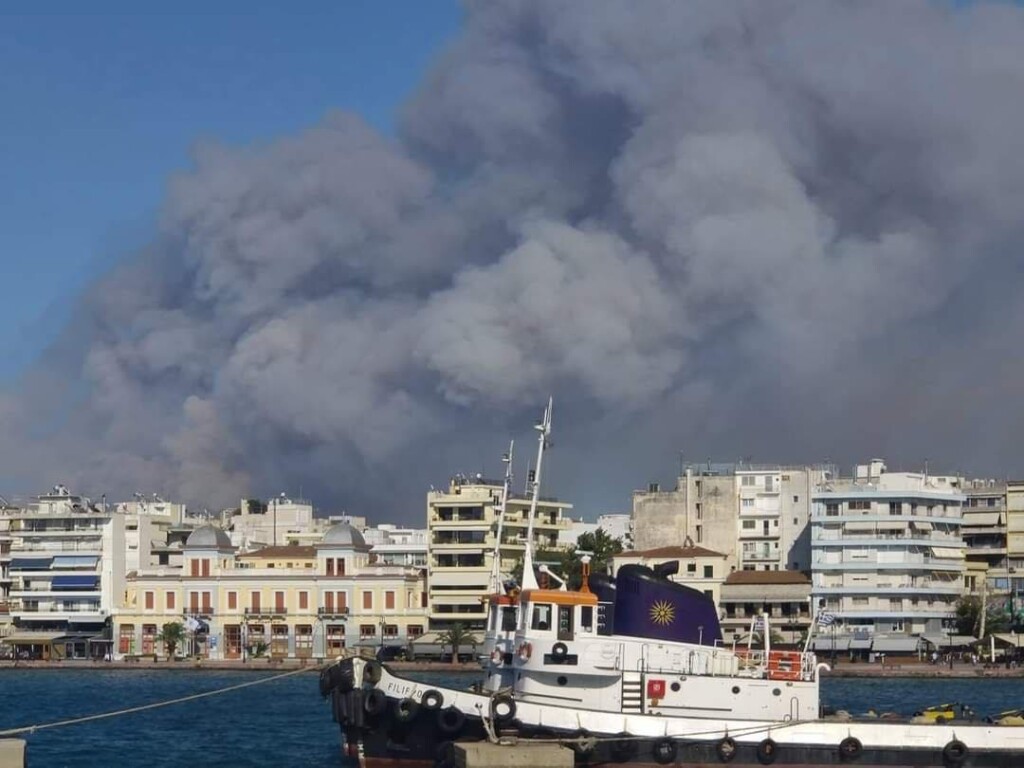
(789, 231)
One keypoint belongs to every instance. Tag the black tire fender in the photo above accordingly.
(405, 710)
(450, 720)
(375, 702)
(954, 753)
(767, 752)
(726, 750)
(623, 748)
(503, 708)
(664, 751)
(432, 699)
(559, 651)
(372, 672)
(850, 748)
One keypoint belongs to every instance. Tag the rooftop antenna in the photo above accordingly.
(529, 577)
(496, 566)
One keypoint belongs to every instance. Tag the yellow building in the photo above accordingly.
(283, 602)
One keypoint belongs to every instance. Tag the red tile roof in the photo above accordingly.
(767, 577)
(675, 553)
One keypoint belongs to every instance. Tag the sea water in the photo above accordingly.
(285, 722)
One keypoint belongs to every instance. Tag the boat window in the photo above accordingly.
(508, 619)
(541, 616)
(587, 618)
(565, 622)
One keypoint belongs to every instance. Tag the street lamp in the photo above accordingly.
(949, 631)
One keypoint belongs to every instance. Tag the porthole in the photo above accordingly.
(735, 689)
(776, 691)
(562, 680)
(675, 687)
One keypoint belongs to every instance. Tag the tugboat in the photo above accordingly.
(632, 671)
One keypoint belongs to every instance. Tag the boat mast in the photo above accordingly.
(496, 567)
(529, 578)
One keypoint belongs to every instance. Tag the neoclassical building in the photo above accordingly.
(280, 601)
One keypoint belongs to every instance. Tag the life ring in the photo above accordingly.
(405, 710)
(503, 708)
(954, 753)
(371, 672)
(525, 651)
(726, 749)
(767, 751)
(664, 751)
(850, 748)
(432, 699)
(375, 701)
(559, 651)
(496, 656)
(623, 748)
(450, 720)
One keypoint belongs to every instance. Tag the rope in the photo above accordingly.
(155, 705)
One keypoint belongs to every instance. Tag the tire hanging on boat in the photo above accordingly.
(450, 720)
(559, 651)
(726, 750)
(850, 748)
(767, 752)
(664, 751)
(371, 672)
(375, 702)
(405, 710)
(954, 753)
(503, 708)
(623, 748)
(432, 699)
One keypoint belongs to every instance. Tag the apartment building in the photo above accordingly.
(393, 545)
(148, 522)
(699, 568)
(986, 569)
(617, 526)
(284, 601)
(783, 596)
(887, 550)
(5, 572)
(278, 520)
(66, 573)
(462, 526)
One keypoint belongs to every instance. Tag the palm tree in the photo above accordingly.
(456, 636)
(171, 635)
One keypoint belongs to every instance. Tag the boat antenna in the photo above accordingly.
(529, 577)
(496, 567)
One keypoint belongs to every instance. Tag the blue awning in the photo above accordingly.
(31, 563)
(74, 582)
(74, 561)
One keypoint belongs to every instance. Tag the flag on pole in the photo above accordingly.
(826, 619)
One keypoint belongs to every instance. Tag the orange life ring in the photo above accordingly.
(525, 651)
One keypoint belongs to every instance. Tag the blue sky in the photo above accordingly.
(100, 107)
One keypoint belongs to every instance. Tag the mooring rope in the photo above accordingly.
(155, 705)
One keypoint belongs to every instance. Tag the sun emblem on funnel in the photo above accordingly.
(663, 612)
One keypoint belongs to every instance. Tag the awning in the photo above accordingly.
(894, 644)
(892, 525)
(950, 552)
(860, 643)
(74, 561)
(1008, 638)
(981, 518)
(859, 525)
(31, 563)
(921, 525)
(945, 641)
(32, 638)
(74, 582)
(824, 643)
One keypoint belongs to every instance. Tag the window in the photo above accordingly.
(193, 602)
(367, 601)
(207, 603)
(389, 600)
(748, 481)
(414, 630)
(170, 601)
(748, 503)
(149, 601)
(303, 601)
(796, 499)
(391, 630)
(691, 567)
(749, 525)
(330, 566)
(587, 618)
(863, 506)
(194, 568)
(205, 567)
(832, 509)
(541, 616)
(367, 631)
(709, 571)
(895, 508)
(329, 602)
(700, 534)
(254, 601)
(341, 600)
(279, 602)
(126, 638)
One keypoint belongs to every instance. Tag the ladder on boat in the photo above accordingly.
(632, 693)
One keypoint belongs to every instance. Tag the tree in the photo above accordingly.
(601, 547)
(171, 635)
(968, 617)
(456, 636)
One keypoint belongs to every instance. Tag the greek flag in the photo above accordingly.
(826, 619)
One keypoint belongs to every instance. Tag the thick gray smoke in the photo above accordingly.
(781, 230)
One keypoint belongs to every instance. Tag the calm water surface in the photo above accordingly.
(286, 723)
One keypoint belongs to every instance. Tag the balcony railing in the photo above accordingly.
(265, 612)
(332, 613)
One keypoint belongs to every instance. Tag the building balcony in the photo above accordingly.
(332, 613)
(760, 534)
(265, 613)
(861, 539)
(898, 589)
(900, 565)
(760, 556)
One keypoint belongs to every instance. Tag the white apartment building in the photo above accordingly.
(462, 527)
(5, 573)
(147, 523)
(392, 545)
(278, 520)
(67, 571)
(617, 526)
(887, 552)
